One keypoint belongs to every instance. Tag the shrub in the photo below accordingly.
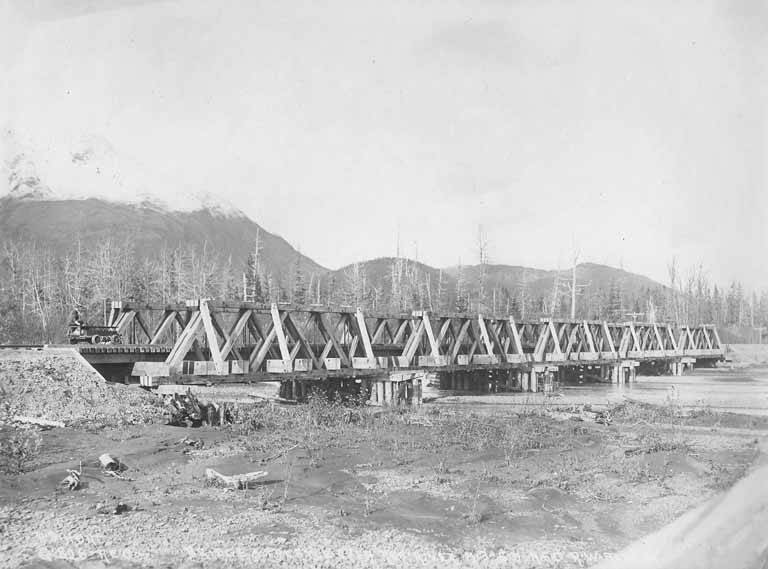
(18, 447)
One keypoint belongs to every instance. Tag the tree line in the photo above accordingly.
(39, 286)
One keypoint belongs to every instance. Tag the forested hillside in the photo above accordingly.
(55, 255)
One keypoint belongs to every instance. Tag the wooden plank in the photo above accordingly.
(165, 324)
(143, 325)
(719, 344)
(413, 342)
(608, 337)
(494, 337)
(501, 330)
(379, 329)
(515, 336)
(484, 335)
(260, 352)
(363, 331)
(114, 312)
(541, 343)
(635, 340)
(184, 342)
(569, 348)
(459, 340)
(401, 330)
(430, 334)
(444, 328)
(157, 369)
(277, 324)
(235, 332)
(302, 340)
(691, 341)
(218, 327)
(555, 338)
(124, 320)
(213, 340)
(657, 335)
(588, 336)
(329, 333)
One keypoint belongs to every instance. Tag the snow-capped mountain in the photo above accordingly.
(92, 168)
(89, 194)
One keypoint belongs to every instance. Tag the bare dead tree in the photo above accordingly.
(482, 247)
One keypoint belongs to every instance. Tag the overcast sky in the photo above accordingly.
(636, 129)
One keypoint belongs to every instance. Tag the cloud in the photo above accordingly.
(51, 10)
(524, 44)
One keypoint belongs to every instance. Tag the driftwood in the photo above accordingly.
(45, 423)
(187, 410)
(582, 414)
(280, 400)
(114, 474)
(72, 480)
(279, 454)
(237, 481)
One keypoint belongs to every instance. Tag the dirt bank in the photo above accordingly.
(727, 530)
(362, 487)
(59, 385)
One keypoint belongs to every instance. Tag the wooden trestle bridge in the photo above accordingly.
(207, 342)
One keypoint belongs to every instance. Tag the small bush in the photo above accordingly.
(18, 447)
(635, 412)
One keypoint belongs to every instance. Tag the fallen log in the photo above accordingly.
(40, 422)
(237, 481)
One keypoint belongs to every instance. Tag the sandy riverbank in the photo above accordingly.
(448, 485)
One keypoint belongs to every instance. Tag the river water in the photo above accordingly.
(739, 390)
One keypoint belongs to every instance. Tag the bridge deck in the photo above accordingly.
(205, 338)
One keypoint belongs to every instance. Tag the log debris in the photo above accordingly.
(236, 481)
(72, 480)
(38, 421)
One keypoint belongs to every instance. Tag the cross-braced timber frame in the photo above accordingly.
(218, 338)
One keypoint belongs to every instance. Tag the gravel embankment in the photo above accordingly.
(61, 386)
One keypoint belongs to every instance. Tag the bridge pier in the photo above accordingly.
(396, 388)
(512, 380)
(535, 378)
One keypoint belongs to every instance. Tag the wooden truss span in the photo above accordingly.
(216, 338)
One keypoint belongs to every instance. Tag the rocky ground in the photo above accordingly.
(59, 385)
(533, 486)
